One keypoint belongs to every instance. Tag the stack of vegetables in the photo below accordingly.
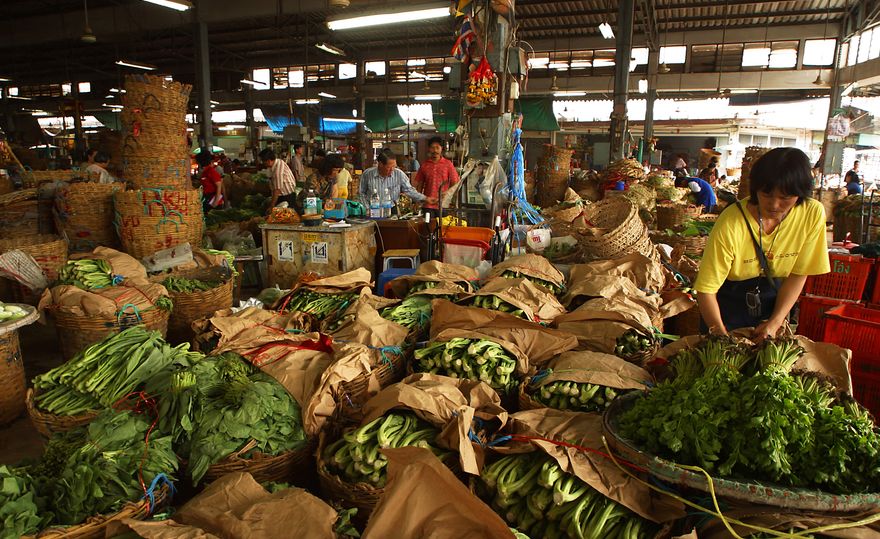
(182, 284)
(11, 313)
(578, 396)
(473, 359)
(495, 303)
(738, 411)
(532, 493)
(102, 374)
(318, 304)
(356, 458)
(556, 289)
(88, 274)
(632, 344)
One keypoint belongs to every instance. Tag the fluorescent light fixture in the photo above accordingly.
(136, 65)
(606, 30)
(447, 69)
(23, 98)
(643, 86)
(178, 5)
(215, 102)
(169, 78)
(231, 127)
(326, 47)
(354, 113)
(39, 113)
(5, 79)
(117, 91)
(90, 131)
(190, 130)
(249, 81)
(109, 96)
(570, 93)
(848, 90)
(388, 18)
(325, 94)
(307, 101)
(743, 91)
(428, 97)
(353, 120)
(109, 106)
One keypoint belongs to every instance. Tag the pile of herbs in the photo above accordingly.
(22, 512)
(738, 411)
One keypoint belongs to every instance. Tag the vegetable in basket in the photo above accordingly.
(473, 359)
(319, 304)
(552, 287)
(88, 274)
(578, 396)
(11, 313)
(182, 284)
(22, 512)
(633, 343)
(413, 312)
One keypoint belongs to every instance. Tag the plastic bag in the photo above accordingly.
(494, 176)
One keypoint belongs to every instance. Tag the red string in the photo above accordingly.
(524, 438)
(143, 404)
(323, 344)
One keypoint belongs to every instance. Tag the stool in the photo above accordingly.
(392, 255)
(386, 276)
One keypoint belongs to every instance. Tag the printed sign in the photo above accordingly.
(284, 250)
(319, 252)
(310, 237)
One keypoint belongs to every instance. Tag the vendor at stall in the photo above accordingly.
(281, 179)
(322, 183)
(386, 175)
(435, 176)
(97, 171)
(762, 249)
(702, 191)
(211, 181)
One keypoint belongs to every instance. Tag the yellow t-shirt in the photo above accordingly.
(342, 181)
(798, 244)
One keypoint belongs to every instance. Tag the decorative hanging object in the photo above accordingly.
(465, 41)
(482, 86)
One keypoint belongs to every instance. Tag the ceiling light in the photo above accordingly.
(428, 97)
(354, 113)
(109, 96)
(190, 130)
(23, 98)
(249, 81)
(90, 131)
(178, 5)
(110, 106)
(136, 65)
(117, 91)
(325, 94)
(446, 69)
(41, 113)
(569, 93)
(326, 47)
(307, 101)
(353, 120)
(5, 79)
(742, 91)
(232, 127)
(388, 18)
(606, 30)
(553, 85)
(215, 102)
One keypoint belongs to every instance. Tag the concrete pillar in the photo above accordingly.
(622, 55)
(203, 81)
(487, 135)
(832, 151)
(79, 143)
(252, 137)
(360, 161)
(653, 64)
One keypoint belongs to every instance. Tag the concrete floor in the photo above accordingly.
(40, 352)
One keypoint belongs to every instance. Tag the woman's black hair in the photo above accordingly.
(204, 157)
(786, 169)
(101, 157)
(329, 163)
(92, 151)
(385, 155)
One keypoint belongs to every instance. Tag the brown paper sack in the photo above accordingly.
(122, 264)
(253, 327)
(103, 302)
(781, 520)
(538, 304)
(598, 369)
(423, 499)
(237, 507)
(364, 325)
(358, 278)
(585, 430)
(537, 342)
(530, 265)
(609, 286)
(599, 322)
(645, 272)
(448, 403)
(456, 276)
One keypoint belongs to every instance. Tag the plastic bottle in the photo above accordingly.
(310, 205)
(375, 205)
(386, 204)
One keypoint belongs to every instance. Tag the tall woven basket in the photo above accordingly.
(76, 332)
(48, 251)
(620, 230)
(154, 93)
(192, 306)
(296, 466)
(84, 215)
(164, 172)
(674, 214)
(12, 379)
(151, 220)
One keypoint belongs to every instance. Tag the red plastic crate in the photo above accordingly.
(847, 279)
(866, 390)
(811, 317)
(857, 328)
(875, 295)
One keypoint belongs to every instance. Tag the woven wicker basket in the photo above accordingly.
(674, 215)
(22, 217)
(152, 220)
(290, 466)
(192, 306)
(360, 495)
(35, 177)
(12, 379)
(154, 137)
(48, 251)
(693, 245)
(155, 202)
(354, 393)
(95, 527)
(84, 215)
(157, 172)
(153, 93)
(78, 332)
(623, 230)
(48, 424)
(643, 358)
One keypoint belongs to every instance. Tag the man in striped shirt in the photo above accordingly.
(282, 181)
(386, 175)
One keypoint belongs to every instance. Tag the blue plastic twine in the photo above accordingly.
(158, 481)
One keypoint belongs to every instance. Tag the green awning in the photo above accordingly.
(382, 116)
(537, 114)
(447, 114)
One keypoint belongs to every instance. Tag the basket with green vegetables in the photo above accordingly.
(185, 285)
(557, 289)
(495, 303)
(319, 304)
(635, 346)
(88, 274)
(471, 358)
(738, 411)
(531, 492)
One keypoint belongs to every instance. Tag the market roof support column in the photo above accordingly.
(203, 78)
(831, 159)
(653, 64)
(249, 120)
(622, 54)
(79, 145)
(489, 133)
(360, 160)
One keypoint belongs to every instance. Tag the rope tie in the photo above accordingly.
(135, 311)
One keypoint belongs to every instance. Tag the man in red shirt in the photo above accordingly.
(435, 176)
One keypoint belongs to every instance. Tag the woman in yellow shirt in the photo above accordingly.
(762, 249)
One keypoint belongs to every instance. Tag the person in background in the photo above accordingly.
(700, 188)
(435, 176)
(414, 163)
(853, 180)
(322, 182)
(680, 162)
(710, 173)
(281, 180)
(296, 164)
(343, 179)
(97, 171)
(778, 227)
(386, 175)
(90, 158)
(211, 180)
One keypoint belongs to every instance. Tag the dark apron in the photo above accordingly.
(732, 303)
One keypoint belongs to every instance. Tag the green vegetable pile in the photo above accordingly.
(230, 259)
(691, 228)
(164, 303)
(739, 412)
(494, 303)
(578, 396)
(411, 313)
(552, 287)
(559, 249)
(20, 508)
(316, 303)
(229, 215)
(356, 458)
(87, 274)
(182, 284)
(473, 359)
(221, 404)
(632, 343)
(105, 372)
(421, 286)
(532, 493)
(11, 313)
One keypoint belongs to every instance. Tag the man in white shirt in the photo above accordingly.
(97, 171)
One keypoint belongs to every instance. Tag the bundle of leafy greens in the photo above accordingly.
(182, 284)
(21, 510)
(740, 412)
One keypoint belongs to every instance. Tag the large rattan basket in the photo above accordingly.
(79, 331)
(618, 230)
